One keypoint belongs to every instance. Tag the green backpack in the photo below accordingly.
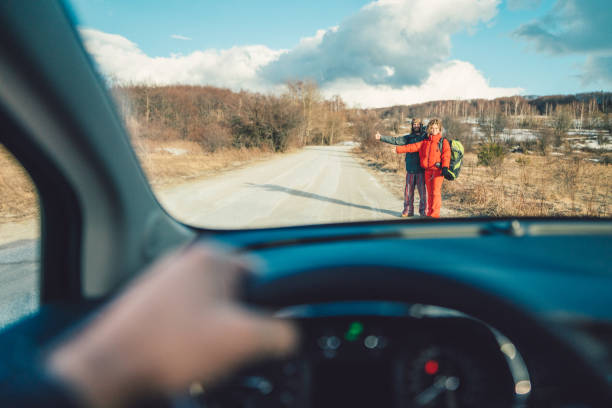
(456, 157)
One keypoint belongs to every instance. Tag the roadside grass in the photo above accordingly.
(522, 185)
(18, 196)
(165, 163)
(532, 185)
(168, 163)
(525, 184)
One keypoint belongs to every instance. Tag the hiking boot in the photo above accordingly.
(404, 214)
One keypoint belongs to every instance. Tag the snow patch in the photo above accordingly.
(175, 151)
(578, 138)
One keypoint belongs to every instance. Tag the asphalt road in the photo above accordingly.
(316, 185)
(19, 262)
(320, 184)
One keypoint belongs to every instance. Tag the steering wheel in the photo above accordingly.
(559, 374)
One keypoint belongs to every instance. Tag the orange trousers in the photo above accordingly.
(433, 183)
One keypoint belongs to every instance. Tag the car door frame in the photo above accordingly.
(100, 221)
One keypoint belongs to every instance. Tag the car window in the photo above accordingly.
(19, 241)
(248, 115)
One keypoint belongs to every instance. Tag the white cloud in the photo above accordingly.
(448, 80)
(180, 37)
(234, 68)
(315, 41)
(380, 56)
(405, 37)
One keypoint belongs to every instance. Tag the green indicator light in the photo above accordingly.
(354, 331)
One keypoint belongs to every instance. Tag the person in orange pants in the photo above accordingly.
(434, 162)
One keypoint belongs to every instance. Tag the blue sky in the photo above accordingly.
(367, 51)
(212, 24)
(510, 61)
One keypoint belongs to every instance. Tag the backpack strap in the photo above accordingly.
(441, 143)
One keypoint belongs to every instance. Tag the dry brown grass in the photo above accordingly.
(18, 197)
(169, 163)
(160, 162)
(382, 157)
(526, 185)
(531, 185)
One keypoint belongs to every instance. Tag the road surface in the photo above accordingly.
(19, 262)
(313, 186)
(319, 184)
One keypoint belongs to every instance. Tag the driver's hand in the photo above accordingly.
(377, 136)
(177, 323)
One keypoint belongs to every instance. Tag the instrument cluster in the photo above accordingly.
(390, 359)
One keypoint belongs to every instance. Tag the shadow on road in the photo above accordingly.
(274, 187)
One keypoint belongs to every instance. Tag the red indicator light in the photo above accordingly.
(431, 367)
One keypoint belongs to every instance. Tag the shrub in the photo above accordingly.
(212, 137)
(499, 123)
(568, 174)
(492, 155)
(545, 141)
(529, 122)
(266, 123)
(524, 171)
(365, 126)
(561, 124)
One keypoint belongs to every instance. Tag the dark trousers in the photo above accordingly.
(413, 180)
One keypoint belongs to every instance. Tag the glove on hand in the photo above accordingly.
(446, 173)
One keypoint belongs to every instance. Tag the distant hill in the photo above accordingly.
(581, 104)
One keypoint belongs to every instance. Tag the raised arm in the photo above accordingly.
(409, 148)
(397, 140)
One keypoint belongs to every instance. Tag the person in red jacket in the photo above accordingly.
(434, 162)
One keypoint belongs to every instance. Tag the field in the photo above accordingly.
(18, 195)
(532, 185)
(175, 162)
(556, 150)
(165, 163)
(528, 183)
(575, 183)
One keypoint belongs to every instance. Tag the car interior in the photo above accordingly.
(514, 312)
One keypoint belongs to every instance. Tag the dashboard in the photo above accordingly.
(483, 314)
(391, 354)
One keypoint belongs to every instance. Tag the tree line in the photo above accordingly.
(220, 118)
(587, 109)
(548, 117)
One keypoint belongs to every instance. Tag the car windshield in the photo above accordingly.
(262, 114)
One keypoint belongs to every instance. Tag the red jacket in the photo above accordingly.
(429, 152)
